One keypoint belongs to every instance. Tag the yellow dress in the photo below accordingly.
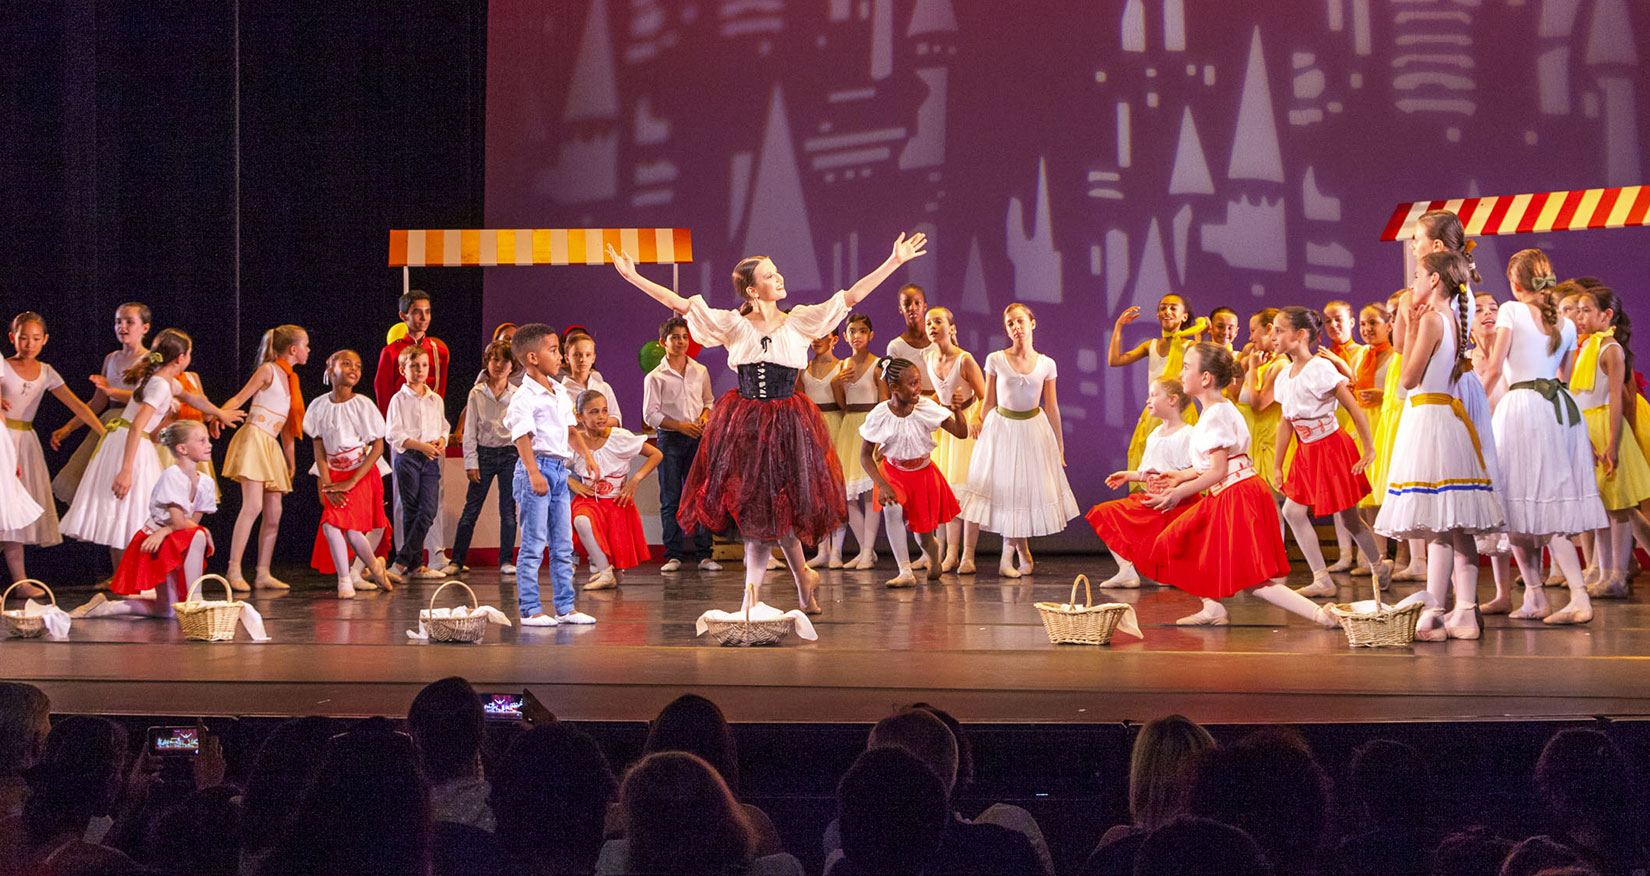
(1386, 419)
(860, 393)
(1143, 427)
(1629, 484)
(1263, 437)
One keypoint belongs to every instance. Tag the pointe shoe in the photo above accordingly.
(1206, 618)
(1430, 627)
(965, 566)
(904, 579)
(270, 582)
(865, 560)
(1320, 586)
(1007, 572)
(97, 600)
(1471, 629)
(1382, 573)
(602, 580)
(239, 585)
(949, 564)
(1569, 614)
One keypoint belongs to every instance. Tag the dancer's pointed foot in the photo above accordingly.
(1323, 617)
(920, 563)
(346, 589)
(602, 580)
(807, 589)
(1609, 586)
(1411, 573)
(267, 581)
(238, 584)
(97, 600)
(1213, 614)
(29, 591)
(1125, 579)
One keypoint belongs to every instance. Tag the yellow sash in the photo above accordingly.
(1587, 360)
(1444, 398)
(1177, 347)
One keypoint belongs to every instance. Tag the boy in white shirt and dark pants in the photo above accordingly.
(541, 423)
(417, 430)
(676, 400)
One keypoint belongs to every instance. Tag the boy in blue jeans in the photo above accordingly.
(542, 426)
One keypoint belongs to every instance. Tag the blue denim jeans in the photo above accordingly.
(418, 482)
(546, 521)
(677, 451)
(492, 462)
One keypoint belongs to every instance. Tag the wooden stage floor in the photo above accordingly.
(972, 645)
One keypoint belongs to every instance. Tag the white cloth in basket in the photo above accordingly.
(493, 616)
(759, 612)
(1128, 624)
(56, 619)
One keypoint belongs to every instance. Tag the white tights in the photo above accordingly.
(901, 545)
(863, 520)
(174, 589)
(340, 543)
(1300, 523)
(587, 537)
(757, 553)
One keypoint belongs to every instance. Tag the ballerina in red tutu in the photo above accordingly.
(605, 520)
(171, 549)
(1229, 541)
(765, 464)
(1127, 526)
(1326, 477)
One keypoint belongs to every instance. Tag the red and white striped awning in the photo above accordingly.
(1574, 210)
(487, 247)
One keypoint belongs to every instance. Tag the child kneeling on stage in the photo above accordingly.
(541, 424)
(910, 490)
(1127, 526)
(171, 549)
(604, 508)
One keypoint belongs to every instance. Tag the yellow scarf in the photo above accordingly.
(1581, 377)
(1177, 346)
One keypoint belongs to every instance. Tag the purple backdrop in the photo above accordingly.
(1082, 159)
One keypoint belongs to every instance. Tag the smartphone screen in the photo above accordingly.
(174, 740)
(501, 706)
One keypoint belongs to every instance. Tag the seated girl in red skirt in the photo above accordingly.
(1230, 540)
(1127, 526)
(171, 549)
(910, 490)
(349, 473)
(1327, 474)
(605, 518)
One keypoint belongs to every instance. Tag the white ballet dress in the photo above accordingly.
(24, 397)
(1437, 482)
(17, 508)
(67, 481)
(1546, 457)
(1016, 484)
(96, 515)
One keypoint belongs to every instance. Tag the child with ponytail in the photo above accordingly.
(111, 501)
(261, 455)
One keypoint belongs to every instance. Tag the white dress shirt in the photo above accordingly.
(595, 384)
(546, 413)
(414, 417)
(676, 395)
(484, 421)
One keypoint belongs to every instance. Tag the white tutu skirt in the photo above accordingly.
(1435, 483)
(1016, 485)
(17, 508)
(96, 515)
(31, 470)
(1547, 468)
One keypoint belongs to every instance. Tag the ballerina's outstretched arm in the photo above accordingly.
(626, 267)
(905, 249)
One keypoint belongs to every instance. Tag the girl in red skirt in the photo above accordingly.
(909, 489)
(765, 464)
(1326, 477)
(171, 549)
(605, 518)
(1230, 540)
(1127, 526)
(349, 471)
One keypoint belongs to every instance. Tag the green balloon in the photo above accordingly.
(650, 355)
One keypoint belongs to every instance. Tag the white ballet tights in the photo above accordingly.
(1012, 546)
(1300, 523)
(899, 542)
(757, 553)
(587, 537)
(339, 545)
(1281, 596)
(374, 538)
(970, 539)
(174, 589)
(863, 520)
(1614, 543)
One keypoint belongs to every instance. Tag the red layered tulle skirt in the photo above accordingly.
(140, 571)
(1321, 475)
(1224, 544)
(923, 495)
(618, 530)
(767, 469)
(362, 512)
(1129, 528)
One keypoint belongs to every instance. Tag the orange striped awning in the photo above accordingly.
(1575, 210)
(486, 247)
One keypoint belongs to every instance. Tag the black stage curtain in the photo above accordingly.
(235, 165)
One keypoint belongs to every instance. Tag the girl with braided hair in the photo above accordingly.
(1542, 437)
(910, 489)
(1438, 487)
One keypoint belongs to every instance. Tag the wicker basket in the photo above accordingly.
(454, 629)
(1385, 627)
(1086, 624)
(746, 632)
(208, 621)
(16, 623)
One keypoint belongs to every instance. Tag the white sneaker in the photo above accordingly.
(507, 569)
(671, 565)
(539, 620)
(705, 565)
(577, 618)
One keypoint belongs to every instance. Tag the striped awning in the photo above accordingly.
(486, 247)
(1574, 210)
